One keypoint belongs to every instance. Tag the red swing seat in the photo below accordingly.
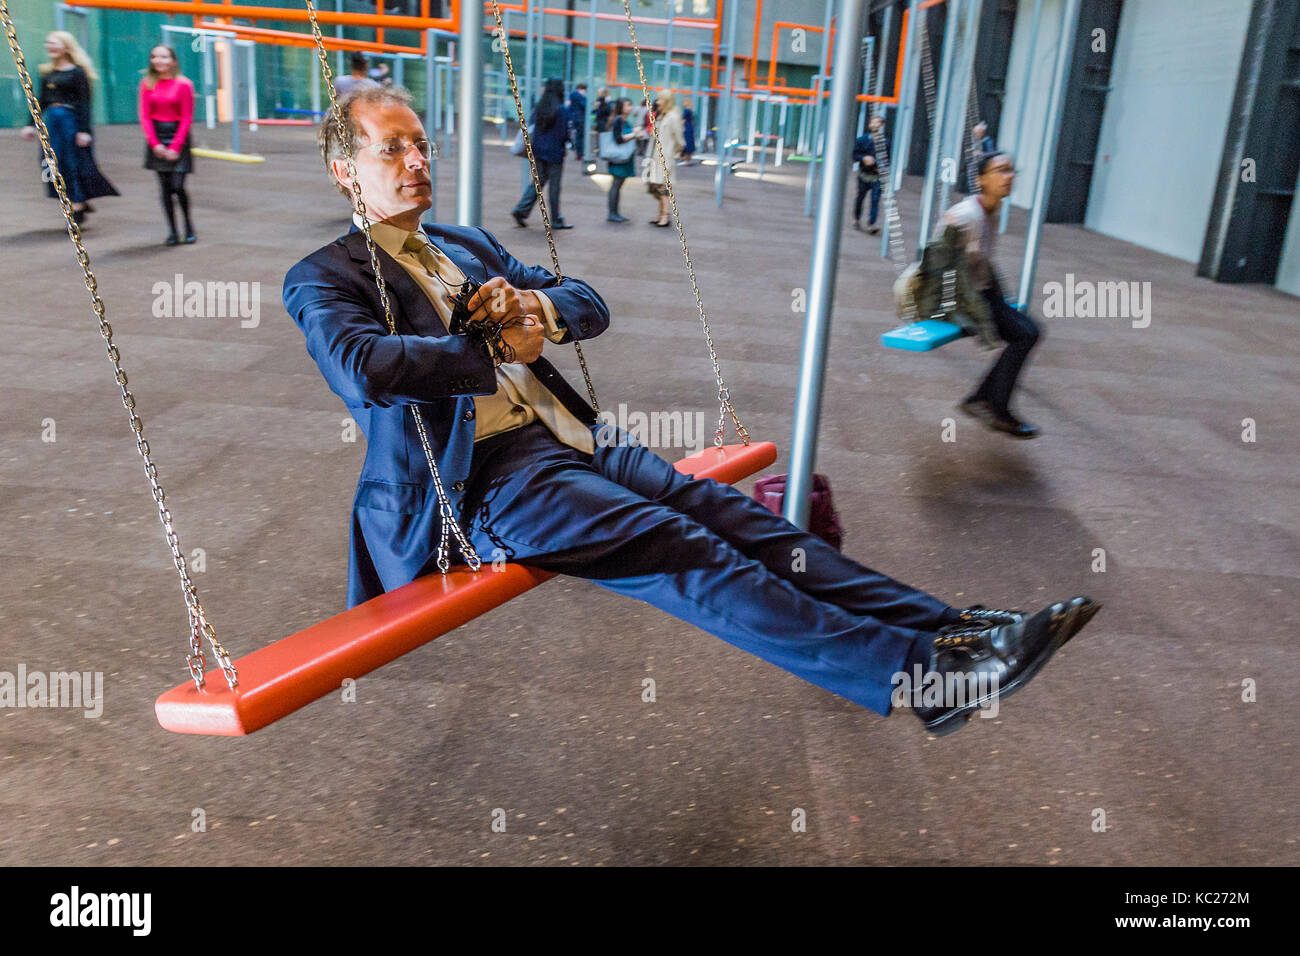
(278, 679)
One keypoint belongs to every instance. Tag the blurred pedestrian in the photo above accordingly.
(547, 128)
(166, 113)
(688, 133)
(622, 131)
(65, 106)
(668, 123)
(578, 123)
(868, 175)
(358, 65)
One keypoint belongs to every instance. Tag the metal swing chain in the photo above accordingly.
(448, 520)
(725, 407)
(537, 186)
(199, 626)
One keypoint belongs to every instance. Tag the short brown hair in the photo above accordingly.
(327, 135)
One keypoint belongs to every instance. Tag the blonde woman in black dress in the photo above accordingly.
(65, 105)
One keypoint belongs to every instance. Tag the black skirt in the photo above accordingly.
(182, 164)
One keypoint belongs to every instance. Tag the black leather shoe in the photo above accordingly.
(1010, 425)
(992, 663)
(519, 220)
(990, 616)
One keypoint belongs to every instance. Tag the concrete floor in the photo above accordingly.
(536, 707)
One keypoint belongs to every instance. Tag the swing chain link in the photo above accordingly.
(199, 626)
(725, 408)
(449, 524)
(537, 187)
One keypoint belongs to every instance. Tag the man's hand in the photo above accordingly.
(83, 139)
(502, 302)
(29, 133)
(526, 337)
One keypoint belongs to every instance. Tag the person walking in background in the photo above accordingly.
(638, 119)
(547, 128)
(620, 127)
(358, 65)
(688, 133)
(868, 175)
(577, 124)
(603, 109)
(65, 105)
(668, 123)
(166, 111)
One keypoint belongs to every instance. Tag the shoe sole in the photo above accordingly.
(1070, 623)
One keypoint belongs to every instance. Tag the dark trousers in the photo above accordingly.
(615, 190)
(862, 194)
(546, 172)
(1021, 334)
(699, 550)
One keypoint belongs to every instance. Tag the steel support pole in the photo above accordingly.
(469, 185)
(880, 109)
(822, 270)
(907, 96)
(950, 42)
(209, 83)
(727, 108)
(431, 118)
(340, 58)
(589, 145)
(762, 152)
(780, 133)
(753, 128)
(955, 135)
(668, 51)
(823, 83)
(234, 95)
(695, 84)
(869, 43)
(1024, 99)
(814, 117)
(529, 6)
(315, 91)
(1047, 148)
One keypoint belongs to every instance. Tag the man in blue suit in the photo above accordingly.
(533, 477)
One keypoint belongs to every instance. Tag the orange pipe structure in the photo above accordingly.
(288, 14)
(290, 38)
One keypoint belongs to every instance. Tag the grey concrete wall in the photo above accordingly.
(1176, 64)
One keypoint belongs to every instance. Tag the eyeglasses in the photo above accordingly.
(395, 149)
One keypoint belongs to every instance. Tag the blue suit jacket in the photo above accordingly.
(332, 296)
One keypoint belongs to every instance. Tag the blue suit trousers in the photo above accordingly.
(699, 550)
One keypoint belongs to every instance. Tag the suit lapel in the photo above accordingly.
(411, 307)
(465, 260)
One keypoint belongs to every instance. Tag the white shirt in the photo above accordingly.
(520, 398)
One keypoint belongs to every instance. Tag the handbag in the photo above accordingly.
(517, 147)
(613, 151)
(823, 519)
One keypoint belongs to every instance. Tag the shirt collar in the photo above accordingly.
(388, 237)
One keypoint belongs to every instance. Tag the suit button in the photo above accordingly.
(468, 416)
(458, 486)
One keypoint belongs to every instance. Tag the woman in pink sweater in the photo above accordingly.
(166, 109)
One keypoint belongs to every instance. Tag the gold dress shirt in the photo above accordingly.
(520, 398)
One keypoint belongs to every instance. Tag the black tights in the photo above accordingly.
(173, 184)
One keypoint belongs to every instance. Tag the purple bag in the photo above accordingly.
(823, 520)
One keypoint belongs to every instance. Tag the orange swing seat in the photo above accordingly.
(291, 673)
